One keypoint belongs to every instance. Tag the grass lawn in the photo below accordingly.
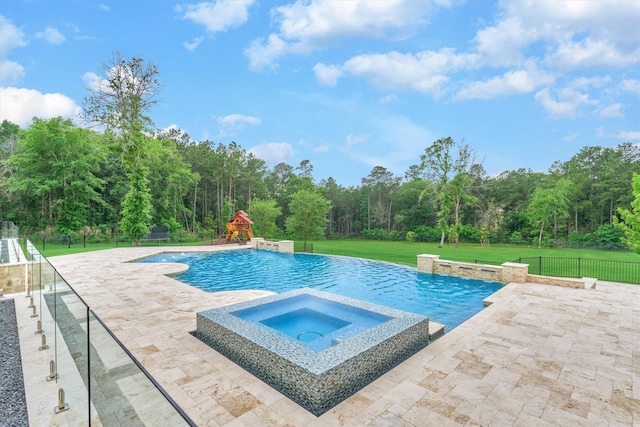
(406, 253)
(55, 249)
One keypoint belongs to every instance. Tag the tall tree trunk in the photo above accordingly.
(195, 198)
(611, 210)
(540, 235)
(369, 211)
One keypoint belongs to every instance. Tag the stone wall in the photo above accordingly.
(506, 273)
(13, 277)
(283, 246)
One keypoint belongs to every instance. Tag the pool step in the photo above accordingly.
(436, 330)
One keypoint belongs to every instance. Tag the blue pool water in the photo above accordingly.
(314, 322)
(444, 299)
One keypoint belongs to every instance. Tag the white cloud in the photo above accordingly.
(502, 44)
(628, 136)
(567, 104)
(553, 35)
(424, 72)
(327, 75)
(193, 44)
(11, 37)
(590, 53)
(389, 99)
(103, 7)
(217, 16)
(20, 105)
(321, 149)
(51, 35)
(571, 136)
(236, 121)
(512, 82)
(315, 24)
(273, 152)
(613, 110)
(631, 85)
(91, 80)
(356, 139)
(261, 55)
(10, 72)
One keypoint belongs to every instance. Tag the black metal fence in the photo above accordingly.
(300, 247)
(607, 270)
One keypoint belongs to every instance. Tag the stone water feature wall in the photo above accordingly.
(284, 246)
(506, 273)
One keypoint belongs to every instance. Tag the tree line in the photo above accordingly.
(57, 177)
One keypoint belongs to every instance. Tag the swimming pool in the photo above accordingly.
(316, 378)
(444, 299)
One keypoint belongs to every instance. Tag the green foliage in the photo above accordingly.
(264, 213)
(631, 217)
(411, 236)
(170, 180)
(549, 206)
(426, 234)
(136, 207)
(382, 234)
(516, 238)
(308, 218)
(485, 235)
(55, 166)
(210, 223)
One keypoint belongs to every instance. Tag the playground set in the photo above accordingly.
(238, 226)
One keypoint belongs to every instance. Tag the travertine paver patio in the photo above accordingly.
(539, 355)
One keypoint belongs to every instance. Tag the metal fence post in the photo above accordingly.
(540, 266)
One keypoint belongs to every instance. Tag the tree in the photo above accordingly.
(120, 101)
(55, 165)
(383, 185)
(549, 205)
(170, 180)
(439, 163)
(459, 188)
(8, 142)
(264, 213)
(631, 218)
(136, 207)
(308, 219)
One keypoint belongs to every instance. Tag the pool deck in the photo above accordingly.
(539, 355)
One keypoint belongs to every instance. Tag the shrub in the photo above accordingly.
(516, 238)
(609, 237)
(468, 233)
(426, 234)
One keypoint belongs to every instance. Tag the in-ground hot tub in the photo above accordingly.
(315, 347)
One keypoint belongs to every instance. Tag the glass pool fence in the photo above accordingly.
(99, 381)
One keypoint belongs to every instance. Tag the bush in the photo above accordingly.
(374, 234)
(609, 236)
(516, 238)
(426, 234)
(468, 233)
(380, 234)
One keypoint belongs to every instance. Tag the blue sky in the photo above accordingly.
(348, 85)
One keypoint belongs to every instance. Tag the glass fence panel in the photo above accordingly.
(71, 348)
(103, 384)
(121, 393)
(42, 286)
